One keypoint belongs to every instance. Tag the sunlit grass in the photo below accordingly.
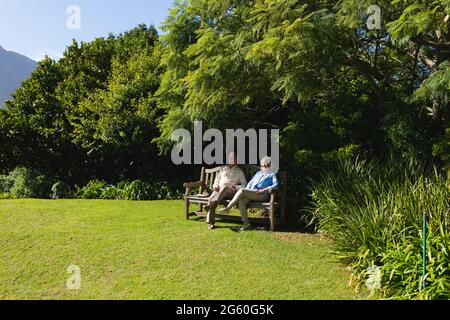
(146, 250)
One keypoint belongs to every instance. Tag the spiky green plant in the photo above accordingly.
(374, 213)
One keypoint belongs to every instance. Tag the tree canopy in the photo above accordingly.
(313, 69)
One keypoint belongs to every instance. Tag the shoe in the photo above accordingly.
(245, 227)
(211, 227)
(225, 210)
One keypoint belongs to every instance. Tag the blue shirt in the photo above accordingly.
(263, 181)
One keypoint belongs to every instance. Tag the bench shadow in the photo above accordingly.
(236, 226)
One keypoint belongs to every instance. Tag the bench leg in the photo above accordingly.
(272, 217)
(283, 209)
(186, 208)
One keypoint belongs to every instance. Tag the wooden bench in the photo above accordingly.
(277, 202)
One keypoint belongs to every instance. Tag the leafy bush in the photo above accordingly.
(374, 212)
(6, 195)
(61, 190)
(28, 183)
(402, 268)
(136, 190)
(111, 192)
(93, 190)
(6, 183)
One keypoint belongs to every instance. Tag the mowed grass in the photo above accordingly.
(147, 250)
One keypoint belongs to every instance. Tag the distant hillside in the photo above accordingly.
(14, 68)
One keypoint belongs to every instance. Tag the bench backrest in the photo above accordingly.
(208, 176)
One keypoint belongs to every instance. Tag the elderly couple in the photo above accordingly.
(230, 183)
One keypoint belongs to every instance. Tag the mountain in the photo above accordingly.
(14, 68)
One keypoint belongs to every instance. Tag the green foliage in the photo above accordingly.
(91, 114)
(61, 190)
(125, 112)
(93, 190)
(136, 190)
(402, 266)
(418, 20)
(6, 183)
(442, 148)
(29, 183)
(5, 196)
(313, 69)
(237, 63)
(374, 212)
(434, 95)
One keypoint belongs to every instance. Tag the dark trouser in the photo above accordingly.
(214, 200)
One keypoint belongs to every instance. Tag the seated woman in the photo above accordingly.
(258, 189)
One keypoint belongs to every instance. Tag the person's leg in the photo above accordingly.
(211, 216)
(213, 197)
(244, 193)
(214, 201)
(237, 197)
(243, 203)
(253, 195)
(247, 196)
(224, 193)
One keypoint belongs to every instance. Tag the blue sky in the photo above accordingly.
(38, 27)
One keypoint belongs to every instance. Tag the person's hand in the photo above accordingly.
(262, 191)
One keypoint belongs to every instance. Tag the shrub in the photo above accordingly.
(61, 190)
(6, 183)
(402, 268)
(374, 212)
(28, 183)
(93, 190)
(111, 192)
(136, 190)
(6, 195)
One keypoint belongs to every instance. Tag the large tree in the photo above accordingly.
(92, 114)
(312, 67)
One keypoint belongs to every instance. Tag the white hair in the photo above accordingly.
(266, 161)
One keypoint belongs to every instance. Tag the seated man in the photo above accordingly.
(227, 180)
(258, 189)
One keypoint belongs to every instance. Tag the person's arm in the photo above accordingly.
(273, 185)
(251, 182)
(243, 179)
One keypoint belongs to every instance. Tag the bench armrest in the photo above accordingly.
(193, 184)
(190, 185)
(274, 191)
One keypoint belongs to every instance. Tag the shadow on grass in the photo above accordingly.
(258, 227)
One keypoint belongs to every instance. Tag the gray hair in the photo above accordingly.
(266, 161)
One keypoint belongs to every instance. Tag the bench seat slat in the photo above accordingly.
(201, 199)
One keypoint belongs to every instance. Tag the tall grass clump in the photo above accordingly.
(374, 213)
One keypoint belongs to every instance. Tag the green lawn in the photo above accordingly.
(147, 250)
